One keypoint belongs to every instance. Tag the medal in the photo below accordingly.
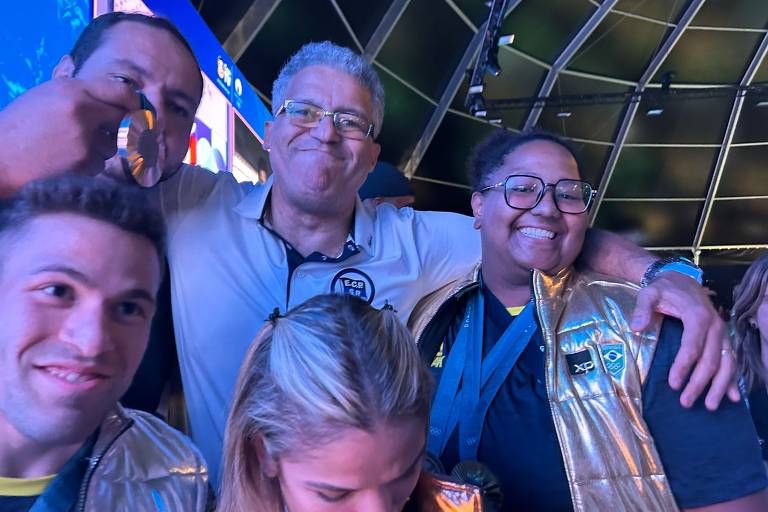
(138, 146)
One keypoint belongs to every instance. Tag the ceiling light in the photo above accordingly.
(654, 112)
(506, 40)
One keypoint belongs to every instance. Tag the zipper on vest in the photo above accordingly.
(93, 462)
(549, 341)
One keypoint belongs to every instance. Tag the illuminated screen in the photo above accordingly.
(27, 57)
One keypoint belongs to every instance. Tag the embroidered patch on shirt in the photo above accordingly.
(580, 362)
(351, 281)
(613, 358)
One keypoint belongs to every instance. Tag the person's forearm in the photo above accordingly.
(613, 255)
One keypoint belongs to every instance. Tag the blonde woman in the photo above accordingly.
(750, 325)
(330, 413)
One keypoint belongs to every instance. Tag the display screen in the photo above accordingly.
(27, 57)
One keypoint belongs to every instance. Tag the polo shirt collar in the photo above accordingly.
(253, 204)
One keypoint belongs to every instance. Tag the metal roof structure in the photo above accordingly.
(691, 180)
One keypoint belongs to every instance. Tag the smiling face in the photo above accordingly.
(153, 61)
(78, 299)
(543, 238)
(315, 169)
(359, 471)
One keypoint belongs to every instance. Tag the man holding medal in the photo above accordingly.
(237, 251)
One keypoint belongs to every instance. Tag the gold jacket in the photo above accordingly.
(140, 463)
(611, 460)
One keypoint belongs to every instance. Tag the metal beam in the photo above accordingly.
(725, 148)
(387, 23)
(347, 26)
(248, 26)
(449, 93)
(445, 101)
(565, 57)
(629, 115)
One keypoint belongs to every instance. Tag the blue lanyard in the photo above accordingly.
(469, 382)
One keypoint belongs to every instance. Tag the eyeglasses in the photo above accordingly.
(308, 115)
(524, 192)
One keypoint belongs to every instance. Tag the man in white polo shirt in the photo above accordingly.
(239, 251)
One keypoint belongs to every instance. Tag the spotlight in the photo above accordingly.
(656, 108)
(493, 68)
(476, 89)
(654, 111)
(476, 105)
(506, 40)
(564, 113)
(492, 65)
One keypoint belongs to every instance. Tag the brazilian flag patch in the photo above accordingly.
(613, 358)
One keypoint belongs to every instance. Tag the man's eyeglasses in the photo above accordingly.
(308, 115)
(524, 192)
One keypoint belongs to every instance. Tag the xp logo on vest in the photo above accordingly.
(580, 362)
(351, 281)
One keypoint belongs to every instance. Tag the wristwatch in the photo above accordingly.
(677, 264)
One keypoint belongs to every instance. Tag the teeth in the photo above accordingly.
(67, 375)
(538, 233)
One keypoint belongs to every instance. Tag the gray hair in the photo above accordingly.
(337, 57)
(330, 364)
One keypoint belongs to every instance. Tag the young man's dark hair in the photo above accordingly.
(92, 35)
(108, 201)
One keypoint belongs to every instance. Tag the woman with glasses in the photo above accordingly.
(540, 376)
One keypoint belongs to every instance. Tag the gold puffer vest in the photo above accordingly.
(140, 463)
(610, 458)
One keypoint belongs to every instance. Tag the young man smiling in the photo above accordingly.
(80, 264)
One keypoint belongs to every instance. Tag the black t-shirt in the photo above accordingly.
(758, 408)
(708, 457)
(16, 503)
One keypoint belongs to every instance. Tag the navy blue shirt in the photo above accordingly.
(708, 457)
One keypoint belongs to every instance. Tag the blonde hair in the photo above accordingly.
(747, 297)
(332, 363)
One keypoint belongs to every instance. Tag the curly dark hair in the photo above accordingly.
(120, 205)
(488, 155)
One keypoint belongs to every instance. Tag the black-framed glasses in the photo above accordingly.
(525, 192)
(309, 115)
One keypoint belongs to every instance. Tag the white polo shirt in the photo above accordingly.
(229, 272)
